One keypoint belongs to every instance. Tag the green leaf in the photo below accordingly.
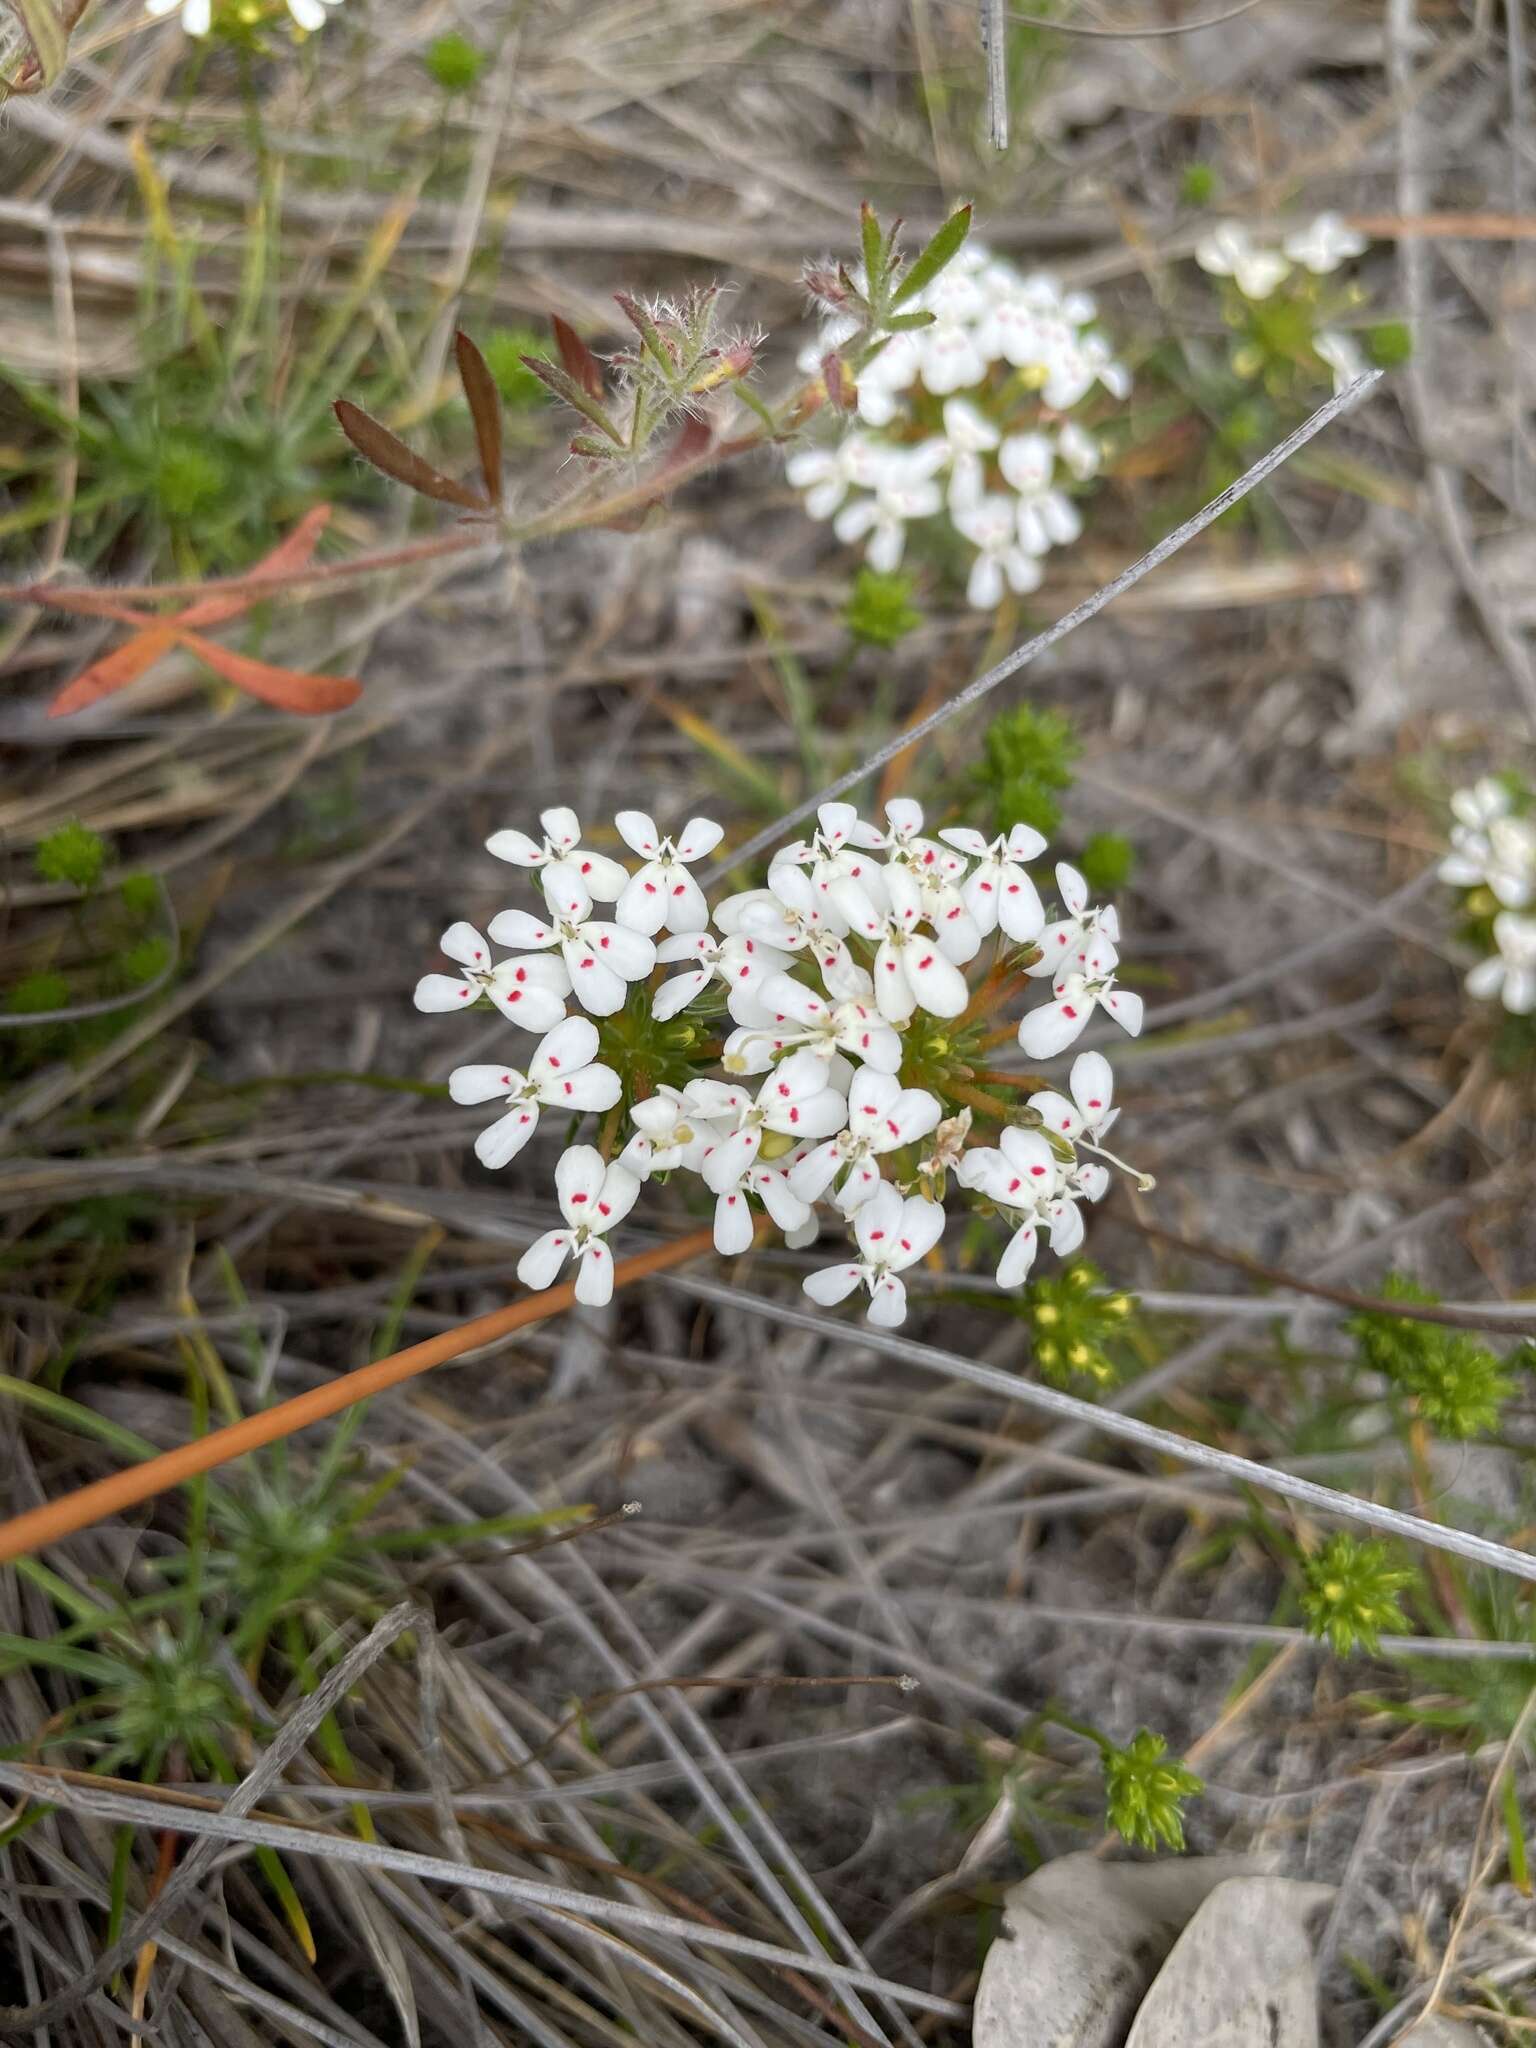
(945, 245)
(564, 385)
(874, 252)
(904, 323)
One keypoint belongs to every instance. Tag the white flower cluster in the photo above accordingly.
(852, 1012)
(1258, 269)
(1493, 847)
(197, 15)
(963, 419)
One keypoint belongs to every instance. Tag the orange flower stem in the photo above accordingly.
(121, 1490)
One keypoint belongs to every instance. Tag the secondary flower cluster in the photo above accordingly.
(822, 1040)
(965, 420)
(1493, 858)
(1259, 268)
(197, 15)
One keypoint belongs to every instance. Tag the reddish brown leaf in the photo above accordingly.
(376, 444)
(123, 665)
(484, 409)
(580, 364)
(690, 447)
(290, 689)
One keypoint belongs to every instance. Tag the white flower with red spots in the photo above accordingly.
(1008, 355)
(742, 963)
(1023, 1176)
(663, 893)
(529, 992)
(563, 1074)
(882, 1115)
(892, 1234)
(593, 1199)
(1083, 921)
(1092, 1083)
(911, 971)
(839, 977)
(794, 1100)
(1085, 983)
(998, 892)
(668, 1134)
(602, 878)
(768, 1181)
(600, 959)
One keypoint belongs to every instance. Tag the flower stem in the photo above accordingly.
(87, 1504)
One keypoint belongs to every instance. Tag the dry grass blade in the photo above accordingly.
(290, 1741)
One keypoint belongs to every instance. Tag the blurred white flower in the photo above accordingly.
(1510, 973)
(1230, 251)
(1324, 243)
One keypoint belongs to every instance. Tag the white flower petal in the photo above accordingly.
(1056, 1113)
(588, 1088)
(593, 983)
(922, 1225)
(642, 904)
(594, 1275)
(937, 984)
(578, 1180)
(570, 1045)
(483, 1084)
(541, 1263)
(811, 1176)
(728, 1159)
(1126, 1009)
(700, 836)
(439, 992)
(832, 1284)
(463, 943)
(629, 953)
(518, 848)
(503, 1140)
(565, 892)
(733, 1223)
(678, 993)
(887, 1302)
(1052, 1028)
(1013, 1267)
(638, 832)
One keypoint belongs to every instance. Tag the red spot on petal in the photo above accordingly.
(1037, 1171)
(603, 1209)
(1068, 1011)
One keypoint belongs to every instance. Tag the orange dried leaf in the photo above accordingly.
(127, 663)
